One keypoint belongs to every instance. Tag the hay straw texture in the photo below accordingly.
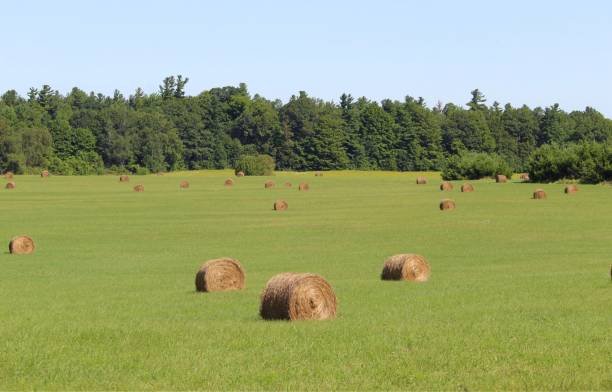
(240, 174)
(294, 296)
(269, 184)
(21, 245)
(571, 189)
(501, 178)
(446, 186)
(10, 185)
(184, 184)
(220, 275)
(524, 176)
(421, 181)
(447, 204)
(8, 175)
(229, 182)
(44, 173)
(304, 186)
(124, 178)
(280, 205)
(139, 188)
(406, 267)
(539, 194)
(467, 188)
(288, 184)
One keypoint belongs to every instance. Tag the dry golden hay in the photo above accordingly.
(269, 184)
(467, 188)
(572, 188)
(8, 175)
(421, 180)
(501, 178)
(240, 174)
(446, 186)
(318, 174)
(288, 184)
(124, 178)
(298, 296)
(184, 184)
(406, 267)
(539, 194)
(139, 188)
(44, 173)
(280, 205)
(524, 176)
(447, 204)
(220, 275)
(21, 245)
(10, 185)
(304, 186)
(229, 182)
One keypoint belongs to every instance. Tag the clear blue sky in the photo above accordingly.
(533, 52)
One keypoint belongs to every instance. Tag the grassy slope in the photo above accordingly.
(520, 294)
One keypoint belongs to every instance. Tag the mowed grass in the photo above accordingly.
(519, 297)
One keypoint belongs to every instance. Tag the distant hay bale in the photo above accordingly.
(539, 194)
(44, 173)
(467, 188)
(139, 188)
(269, 184)
(184, 184)
(447, 204)
(501, 178)
(240, 174)
(220, 275)
(318, 174)
(288, 185)
(421, 181)
(298, 296)
(304, 186)
(160, 173)
(21, 245)
(10, 185)
(280, 205)
(8, 175)
(446, 186)
(124, 178)
(570, 189)
(524, 176)
(406, 267)
(229, 182)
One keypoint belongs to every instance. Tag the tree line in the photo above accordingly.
(81, 133)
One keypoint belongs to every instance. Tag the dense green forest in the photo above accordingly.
(81, 133)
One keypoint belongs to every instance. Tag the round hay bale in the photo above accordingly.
(318, 174)
(570, 189)
(421, 180)
(501, 178)
(447, 204)
(44, 173)
(446, 186)
(304, 186)
(220, 275)
(229, 182)
(295, 296)
(524, 176)
(139, 188)
(467, 188)
(288, 185)
(280, 205)
(184, 184)
(269, 184)
(406, 267)
(159, 174)
(8, 175)
(21, 245)
(124, 178)
(240, 174)
(539, 194)
(10, 185)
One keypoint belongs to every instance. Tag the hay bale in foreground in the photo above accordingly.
(406, 267)
(124, 178)
(8, 175)
(220, 275)
(467, 188)
(10, 185)
(447, 204)
(501, 178)
(298, 296)
(280, 205)
(570, 189)
(446, 186)
(21, 245)
(184, 184)
(229, 182)
(240, 174)
(44, 173)
(269, 184)
(139, 188)
(421, 181)
(524, 176)
(303, 186)
(288, 185)
(539, 194)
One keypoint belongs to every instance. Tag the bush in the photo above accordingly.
(475, 165)
(255, 165)
(587, 162)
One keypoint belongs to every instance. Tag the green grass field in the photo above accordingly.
(519, 297)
